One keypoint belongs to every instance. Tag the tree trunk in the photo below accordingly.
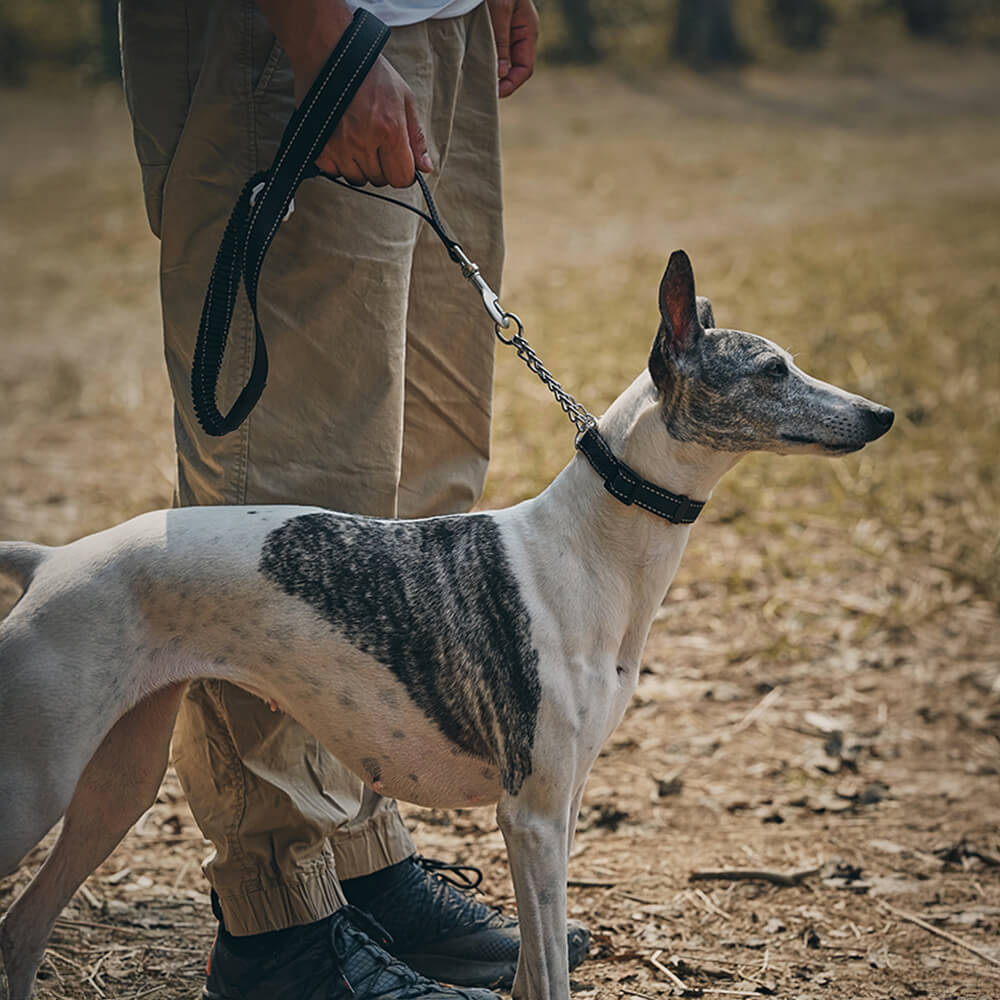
(927, 17)
(111, 60)
(705, 35)
(15, 53)
(579, 20)
(801, 24)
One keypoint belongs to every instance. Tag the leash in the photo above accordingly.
(267, 199)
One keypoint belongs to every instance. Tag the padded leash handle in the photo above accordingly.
(255, 220)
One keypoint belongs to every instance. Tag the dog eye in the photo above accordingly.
(775, 368)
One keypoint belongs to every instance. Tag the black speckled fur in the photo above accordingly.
(436, 602)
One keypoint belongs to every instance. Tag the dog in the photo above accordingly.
(509, 640)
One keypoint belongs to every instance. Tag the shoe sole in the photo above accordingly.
(475, 972)
(459, 971)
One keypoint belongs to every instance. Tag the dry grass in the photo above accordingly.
(853, 218)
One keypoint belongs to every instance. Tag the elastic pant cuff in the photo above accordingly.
(382, 841)
(270, 905)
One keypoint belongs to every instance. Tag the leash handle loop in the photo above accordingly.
(252, 226)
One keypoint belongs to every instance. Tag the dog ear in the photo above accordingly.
(680, 319)
(678, 304)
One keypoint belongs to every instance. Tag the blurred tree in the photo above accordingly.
(927, 17)
(705, 35)
(801, 24)
(111, 60)
(15, 53)
(579, 46)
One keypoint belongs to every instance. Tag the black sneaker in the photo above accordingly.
(441, 931)
(332, 959)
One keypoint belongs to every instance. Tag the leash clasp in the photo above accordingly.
(472, 274)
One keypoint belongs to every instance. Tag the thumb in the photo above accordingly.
(418, 141)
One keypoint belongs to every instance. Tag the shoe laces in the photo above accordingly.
(434, 901)
(358, 940)
(468, 878)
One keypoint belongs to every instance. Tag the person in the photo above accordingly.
(378, 402)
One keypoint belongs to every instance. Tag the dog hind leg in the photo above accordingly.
(118, 784)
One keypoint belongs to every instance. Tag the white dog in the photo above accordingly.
(508, 643)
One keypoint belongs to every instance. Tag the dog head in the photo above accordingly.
(737, 392)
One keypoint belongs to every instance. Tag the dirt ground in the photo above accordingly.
(820, 696)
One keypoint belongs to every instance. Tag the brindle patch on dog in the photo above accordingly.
(437, 603)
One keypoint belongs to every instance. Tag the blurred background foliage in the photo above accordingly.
(42, 37)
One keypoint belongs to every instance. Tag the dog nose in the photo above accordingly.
(880, 419)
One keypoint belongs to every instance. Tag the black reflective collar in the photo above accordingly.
(628, 487)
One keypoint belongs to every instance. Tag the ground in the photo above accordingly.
(820, 695)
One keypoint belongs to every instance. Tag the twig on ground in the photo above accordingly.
(753, 875)
(731, 993)
(930, 928)
(47, 960)
(763, 968)
(654, 961)
(627, 894)
(771, 698)
(120, 928)
(146, 993)
(710, 906)
(92, 901)
(987, 857)
(94, 973)
(51, 952)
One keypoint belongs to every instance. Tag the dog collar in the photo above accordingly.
(628, 487)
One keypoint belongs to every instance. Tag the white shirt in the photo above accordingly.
(399, 12)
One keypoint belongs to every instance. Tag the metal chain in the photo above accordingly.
(578, 414)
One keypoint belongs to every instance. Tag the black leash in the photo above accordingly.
(255, 220)
(265, 202)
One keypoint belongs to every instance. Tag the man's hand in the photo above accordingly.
(379, 140)
(515, 26)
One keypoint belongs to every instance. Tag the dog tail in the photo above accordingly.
(20, 560)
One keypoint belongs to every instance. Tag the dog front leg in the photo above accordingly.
(535, 824)
(117, 785)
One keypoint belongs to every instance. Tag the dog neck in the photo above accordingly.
(635, 429)
(636, 432)
(625, 556)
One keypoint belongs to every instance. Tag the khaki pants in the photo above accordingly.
(378, 399)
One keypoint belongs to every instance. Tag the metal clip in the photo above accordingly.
(491, 300)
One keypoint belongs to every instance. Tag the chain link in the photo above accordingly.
(577, 413)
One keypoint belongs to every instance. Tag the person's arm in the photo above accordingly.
(515, 26)
(379, 139)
